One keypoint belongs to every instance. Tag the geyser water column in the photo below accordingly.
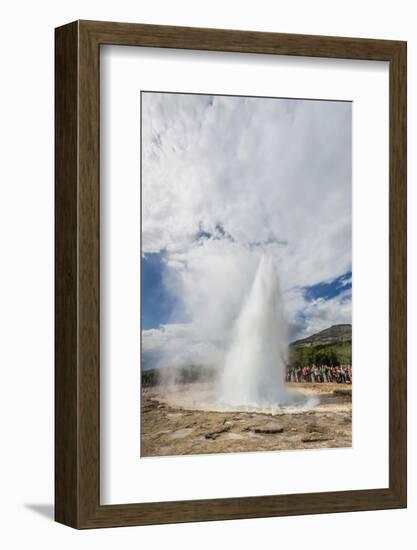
(254, 369)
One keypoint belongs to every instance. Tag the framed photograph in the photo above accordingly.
(230, 274)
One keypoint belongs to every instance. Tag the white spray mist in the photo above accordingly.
(254, 367)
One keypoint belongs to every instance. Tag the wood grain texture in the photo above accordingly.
(66, 238)
(398, 273)
(78, 285)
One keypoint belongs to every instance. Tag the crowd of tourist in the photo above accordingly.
(341, 374)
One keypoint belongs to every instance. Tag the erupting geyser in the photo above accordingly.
(254, 367)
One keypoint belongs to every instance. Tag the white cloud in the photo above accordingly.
(320, 314)
(264, 170)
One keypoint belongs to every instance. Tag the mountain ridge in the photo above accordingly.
(332, 334)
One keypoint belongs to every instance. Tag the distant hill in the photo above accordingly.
(336, 334)
(332, 345)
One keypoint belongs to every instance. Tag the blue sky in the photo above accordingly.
(157, 302)
(226, 180)
(329, 289)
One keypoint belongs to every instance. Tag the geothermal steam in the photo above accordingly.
(254, 367)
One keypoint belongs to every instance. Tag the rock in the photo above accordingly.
(148, 408)
(269, 428)
(215, 435)
(314, 437)
(342, 392)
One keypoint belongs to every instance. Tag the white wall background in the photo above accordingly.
(26, 271)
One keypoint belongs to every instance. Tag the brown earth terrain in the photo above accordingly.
(173, 422)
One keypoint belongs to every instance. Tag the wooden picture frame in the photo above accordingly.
(77, 359)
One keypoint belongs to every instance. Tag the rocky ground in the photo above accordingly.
(174, 424)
